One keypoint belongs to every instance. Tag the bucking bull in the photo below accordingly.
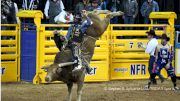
(61, 69)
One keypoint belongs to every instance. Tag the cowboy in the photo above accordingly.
(130, 8)
(163, 59)
(94, 5)
(74, 38)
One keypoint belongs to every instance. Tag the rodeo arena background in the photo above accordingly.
(90, 50)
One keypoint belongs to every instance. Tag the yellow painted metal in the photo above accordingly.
(30, 14)
(138, 25)
(130, 55)
(8, 33)
(9, 72)
(100, 72)
(37, 15)
(9, 49)
(121, 45)
(10, 54)
(8, 42)
(163, 15)
(133, 33)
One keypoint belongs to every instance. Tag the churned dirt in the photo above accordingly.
(129, 90)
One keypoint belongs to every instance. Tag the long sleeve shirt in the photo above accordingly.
(147, 8)
(85, 25)
(130, 8)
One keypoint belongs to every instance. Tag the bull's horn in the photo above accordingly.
(66, 64)
(44, 66)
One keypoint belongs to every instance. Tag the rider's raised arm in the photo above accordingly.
(69, 33)
(88, 22)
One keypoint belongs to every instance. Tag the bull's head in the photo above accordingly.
(54, 70)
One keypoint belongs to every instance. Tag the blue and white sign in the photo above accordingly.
(137, 69)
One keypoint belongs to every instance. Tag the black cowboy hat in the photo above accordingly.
(77, 17)
(151, 32)
(164, 36)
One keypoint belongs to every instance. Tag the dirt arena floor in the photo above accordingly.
(129, 90)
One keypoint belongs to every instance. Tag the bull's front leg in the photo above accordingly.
(69, 85)
(79, 90)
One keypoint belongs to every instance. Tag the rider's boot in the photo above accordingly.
(77, 66)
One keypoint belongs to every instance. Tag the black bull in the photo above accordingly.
(61, 69)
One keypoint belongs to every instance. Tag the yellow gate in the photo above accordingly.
(128, 61)
(10, 48)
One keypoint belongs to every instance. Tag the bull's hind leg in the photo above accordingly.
(69, 85)
(79, 90)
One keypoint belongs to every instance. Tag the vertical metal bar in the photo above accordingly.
(18, 49)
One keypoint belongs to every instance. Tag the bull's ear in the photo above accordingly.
(59, 69)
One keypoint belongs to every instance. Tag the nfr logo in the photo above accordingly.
(2, 70)
(138, 69)
(93, 71)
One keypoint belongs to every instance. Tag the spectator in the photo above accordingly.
(52, 9)
(130, 9)
(92, 6)
(115, 5)
(64, 17)
(11, 16)
(8, 11)
(103, 5)
(81, 6)
(4, 11)
(148, 7)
